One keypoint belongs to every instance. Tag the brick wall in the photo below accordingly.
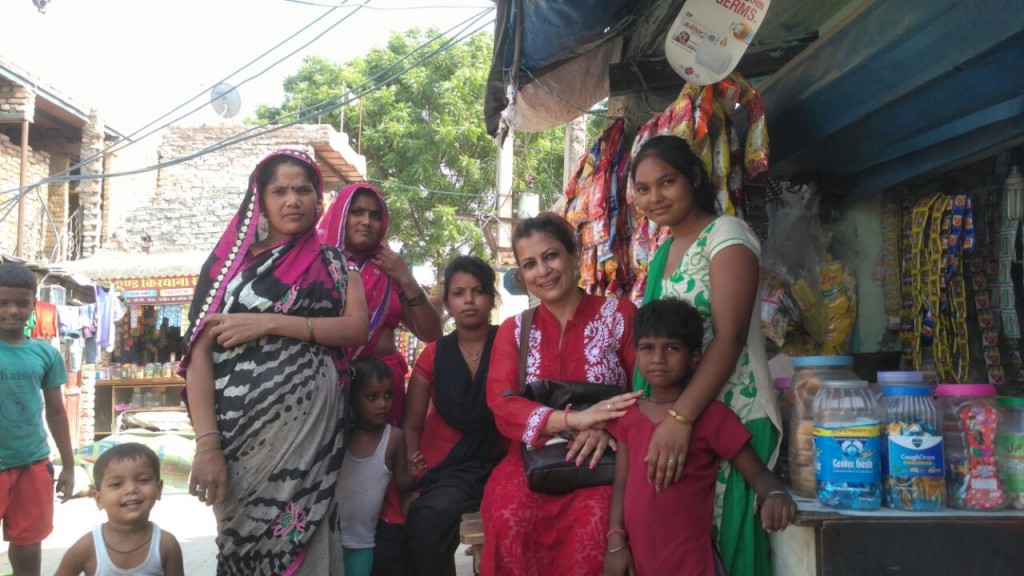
(193, 201)
(10, 169)
(17, 103)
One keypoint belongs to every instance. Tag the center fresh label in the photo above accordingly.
(848, 454)
(918, 456)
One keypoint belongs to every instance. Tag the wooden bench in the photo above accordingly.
(471, 533)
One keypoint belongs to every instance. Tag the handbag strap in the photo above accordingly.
(525, 323)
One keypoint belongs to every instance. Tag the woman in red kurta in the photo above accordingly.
(574, 337)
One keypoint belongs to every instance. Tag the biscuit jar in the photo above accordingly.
(1010, 449)
(847, 446)
(969, 422)
(808, 374)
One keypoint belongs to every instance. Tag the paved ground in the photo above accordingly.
(191, 522)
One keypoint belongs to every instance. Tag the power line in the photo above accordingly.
(128, 140)
(325, 106)
(413, 6)
(250, 134)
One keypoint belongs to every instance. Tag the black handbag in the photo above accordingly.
(546, 468)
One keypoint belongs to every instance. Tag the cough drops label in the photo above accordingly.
(848, 454)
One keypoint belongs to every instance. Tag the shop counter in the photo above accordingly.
(827, 542)
(132, 395)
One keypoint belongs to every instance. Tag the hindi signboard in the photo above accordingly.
(155, 291)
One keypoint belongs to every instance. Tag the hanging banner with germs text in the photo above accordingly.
(708, 37)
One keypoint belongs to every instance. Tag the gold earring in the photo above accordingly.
(262, 229)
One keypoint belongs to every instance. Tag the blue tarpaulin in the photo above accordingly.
(552, 32)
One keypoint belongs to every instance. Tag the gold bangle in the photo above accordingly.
(679, 417)
(207, 449)
(309, 326)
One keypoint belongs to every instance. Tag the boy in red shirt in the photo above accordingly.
(669, 532)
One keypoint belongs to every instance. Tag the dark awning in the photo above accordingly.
(899, 90)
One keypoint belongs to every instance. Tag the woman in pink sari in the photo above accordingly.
(357, 223)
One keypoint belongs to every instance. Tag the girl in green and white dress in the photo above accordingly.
(710, 261)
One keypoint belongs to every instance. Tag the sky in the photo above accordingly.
(136, 60)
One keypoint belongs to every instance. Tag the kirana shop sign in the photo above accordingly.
(708, 37)
(164, 290)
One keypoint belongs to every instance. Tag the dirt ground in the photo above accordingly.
(184, 516)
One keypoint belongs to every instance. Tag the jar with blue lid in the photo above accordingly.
(900, 378)
(847, 446)
(809, 372)
(912, 462)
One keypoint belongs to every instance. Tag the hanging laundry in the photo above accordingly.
(170, 312)
(92, 351)
(46, 321)
(30, 325)
(72, 321)
(76, 349)
(110, 310)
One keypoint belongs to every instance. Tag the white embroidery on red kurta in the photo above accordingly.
(533, 424)
(601, 341)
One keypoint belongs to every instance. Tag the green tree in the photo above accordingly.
(424, 139)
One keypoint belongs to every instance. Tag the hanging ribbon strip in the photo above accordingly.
(1005, 290)
(934, 316)
(890, 261)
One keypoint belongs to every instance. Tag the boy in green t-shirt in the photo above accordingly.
(26, 475)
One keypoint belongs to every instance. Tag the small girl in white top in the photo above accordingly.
(375, 450)
(128, 484)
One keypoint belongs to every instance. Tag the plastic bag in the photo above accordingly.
(791, 259)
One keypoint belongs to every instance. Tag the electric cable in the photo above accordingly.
(248, 134)
(134, 136)
(272, 128)
(413, 6)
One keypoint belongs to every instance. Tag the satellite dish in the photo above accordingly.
(225, 100)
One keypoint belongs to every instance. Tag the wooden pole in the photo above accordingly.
(19, 247)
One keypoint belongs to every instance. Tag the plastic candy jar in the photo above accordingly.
(847, 446)
(1010, 448)
(969, 420)
(900, 378)
(913, 473)
(809, 373)
(785, 393)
